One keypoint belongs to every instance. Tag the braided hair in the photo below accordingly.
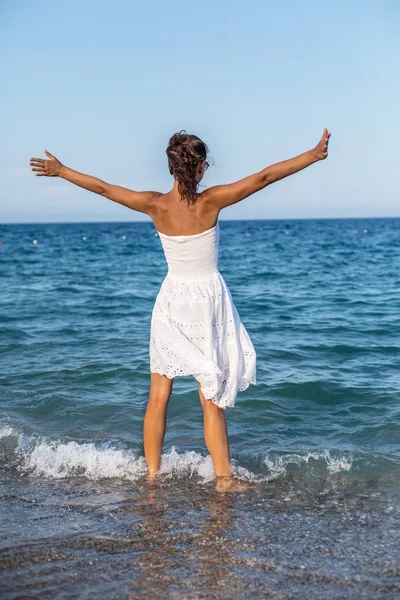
(185, 152)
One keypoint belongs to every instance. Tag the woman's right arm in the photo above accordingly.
(221, 196)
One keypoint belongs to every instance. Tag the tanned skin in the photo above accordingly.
(173, 216)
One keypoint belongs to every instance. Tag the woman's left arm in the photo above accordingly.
(140, 201)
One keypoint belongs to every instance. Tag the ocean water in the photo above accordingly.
(319, 434)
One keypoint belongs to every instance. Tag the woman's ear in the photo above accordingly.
(200, 171)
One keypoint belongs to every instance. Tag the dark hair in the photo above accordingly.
(184, 153)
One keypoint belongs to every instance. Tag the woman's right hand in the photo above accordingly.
(320, 152)
(48, 168)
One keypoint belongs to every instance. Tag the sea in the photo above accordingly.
(319, 434)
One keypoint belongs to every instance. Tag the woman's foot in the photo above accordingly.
(232, 484)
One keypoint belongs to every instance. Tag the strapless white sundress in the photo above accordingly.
(195, 326)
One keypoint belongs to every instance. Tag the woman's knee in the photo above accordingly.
(158, 399)
(209, 407)
(203, 401)
(160, 390)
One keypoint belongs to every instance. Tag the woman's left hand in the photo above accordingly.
(47, 168)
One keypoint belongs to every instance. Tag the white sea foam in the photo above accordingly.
(42, 457)
(278, 464)
(187, 463)
(54, 459)
(7, 431)
(57, 461)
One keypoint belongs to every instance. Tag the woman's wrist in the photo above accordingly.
(313, 156)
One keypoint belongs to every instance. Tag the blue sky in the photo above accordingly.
(103, 86)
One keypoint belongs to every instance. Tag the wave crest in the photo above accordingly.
(39, 456)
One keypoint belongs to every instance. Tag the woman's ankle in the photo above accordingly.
(151, 474)
(224, 474)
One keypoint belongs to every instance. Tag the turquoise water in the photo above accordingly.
(320, 301)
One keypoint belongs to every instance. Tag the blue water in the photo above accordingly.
(320, 300)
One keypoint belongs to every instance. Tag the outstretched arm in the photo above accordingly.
(221, 196)
(140, 201)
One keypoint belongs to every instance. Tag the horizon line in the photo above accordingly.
(150, 222)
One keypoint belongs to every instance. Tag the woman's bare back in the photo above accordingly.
(172, 215)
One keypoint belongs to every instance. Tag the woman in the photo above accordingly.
(195, 327)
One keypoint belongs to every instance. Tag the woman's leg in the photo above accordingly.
(216, 439)
(155, 420)
(216, 436)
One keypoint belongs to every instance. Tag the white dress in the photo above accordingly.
(195, 327)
